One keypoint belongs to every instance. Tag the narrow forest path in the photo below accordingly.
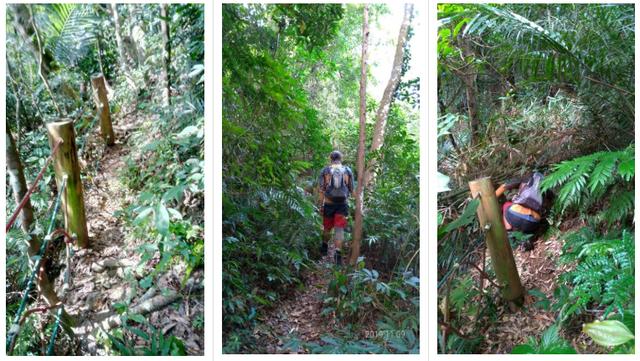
(107, 272)
(298, 317)
(539, 269)
(96, 272)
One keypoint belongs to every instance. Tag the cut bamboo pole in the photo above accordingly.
(490, 218)
(102, 105)
(66, 162)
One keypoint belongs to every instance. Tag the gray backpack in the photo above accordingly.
(336, 181)
(529, 194)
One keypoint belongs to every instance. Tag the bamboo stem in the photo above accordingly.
(490, 217)
(66, 163)
(102, 105)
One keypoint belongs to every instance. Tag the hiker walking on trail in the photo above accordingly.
(522, 213)
(335, 187)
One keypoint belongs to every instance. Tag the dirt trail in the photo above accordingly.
(298, 316)
(94, 288)
(107, 272)
(539, 269)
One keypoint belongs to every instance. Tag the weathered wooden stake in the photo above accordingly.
(490, 218)
(66, 162)
(102, 104)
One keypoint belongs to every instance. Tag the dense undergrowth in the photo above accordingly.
(287, 71)
(510, 104)
(163, 176)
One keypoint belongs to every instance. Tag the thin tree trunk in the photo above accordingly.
(357, 231)
(18, 182)
(99, 54)
(15, 86)
(40, 61)
(116, 21)
(166, 42)
(124, 67)
(387, 96)
(469, 80)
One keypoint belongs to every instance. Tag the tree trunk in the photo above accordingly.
(490, 217)
(357, 229)
(41, 61)
(124, 67)
(166, 42)
(66, 163)
(18, 183)
(469, 80)
(116, 21)
(102, 105)
(387, 96)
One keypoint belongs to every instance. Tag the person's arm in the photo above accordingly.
(350, 185)
(509, 185)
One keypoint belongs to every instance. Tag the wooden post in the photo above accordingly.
(66, 162)
(490, 217)
(102, 105)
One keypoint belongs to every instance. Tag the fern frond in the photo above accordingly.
(603, 172)
(621, 205)
(604, 274)
(626, 169)
(586, 180)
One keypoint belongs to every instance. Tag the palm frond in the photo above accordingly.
(72, 31)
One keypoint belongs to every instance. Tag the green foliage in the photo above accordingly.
(603, 276)
(584, 181)
(156, 343)
(286, 72)
(543, 302)
(351, 296)
(392, 227)
(71, 31)
(550, 343)
(273, 232)
(537, 87)
(162, 147)
(467, 217)
(608, 333)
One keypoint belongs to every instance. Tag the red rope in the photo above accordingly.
(26, 197)
(67, 237)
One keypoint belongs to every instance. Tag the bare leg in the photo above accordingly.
(338, 240)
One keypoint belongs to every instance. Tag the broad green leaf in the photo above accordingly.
(467, 217)
(162, 219)
(608, 333)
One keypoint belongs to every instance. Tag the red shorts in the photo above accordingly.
(335, 220)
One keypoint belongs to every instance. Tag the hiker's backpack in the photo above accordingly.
(529, 194)
(336, 181)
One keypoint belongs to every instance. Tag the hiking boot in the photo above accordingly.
(326, 237)
(324, 249)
